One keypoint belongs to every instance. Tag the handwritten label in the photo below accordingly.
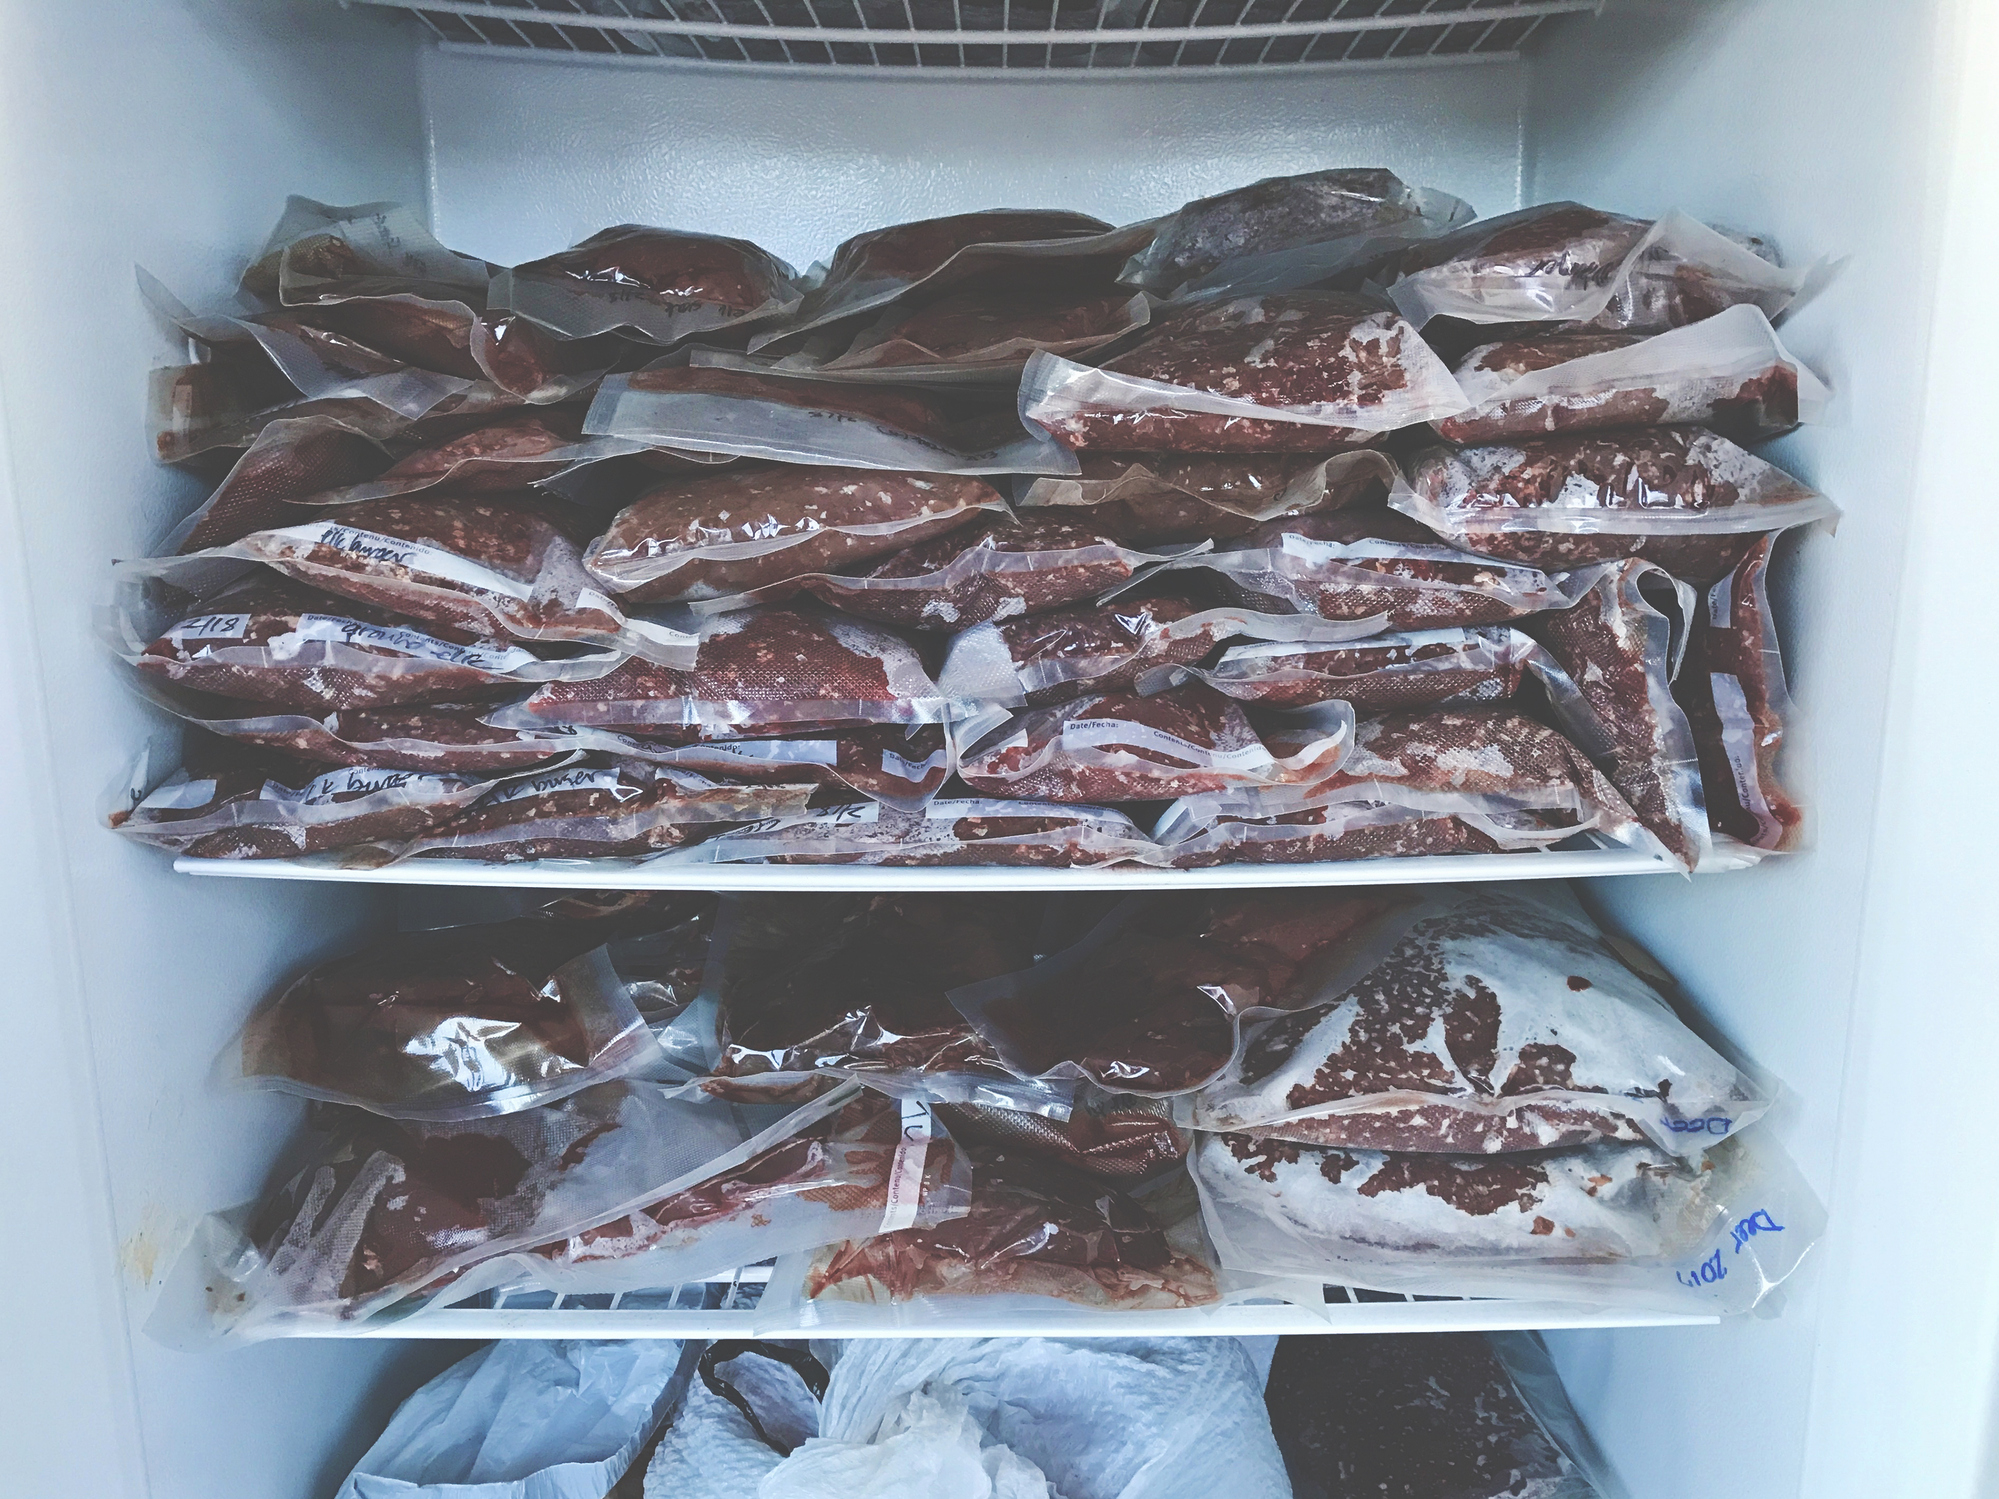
(561, 780)
(1718, 1124)
(905, 1175)
(1758, 1222)
(1706, 1273)
(1090, 733)
(912, 770)
(400, 639)
(210, 627)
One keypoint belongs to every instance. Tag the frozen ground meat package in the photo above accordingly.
(434, 738)
(1399, 670)
(1499, 1020)
(661, 284)
(730, 533)
(508, 452)
(1290, 372)
(1729, 372)
(1682, 497)
(288, 461)
(1122, 747)
(1564, 263)
(903, 765)
(1607, 1225)
(1731, 686)
(1284, 232)
(948, 831)
(1145, 499)
(986, 333)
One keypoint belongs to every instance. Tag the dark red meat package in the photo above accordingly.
(505, 453)
(948, 831)
(434, 738)
(987, 332)
(288, 461)
(903, 765)
(1402, 670)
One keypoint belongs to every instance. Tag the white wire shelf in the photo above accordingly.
(728, 1307)
(1000, 37)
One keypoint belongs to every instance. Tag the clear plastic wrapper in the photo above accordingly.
(1562, 262)
(988, 332)
(1609, 1225)
(948, 831)
(1289, 372)
(1500, 1020)
(795, 419)
(1398, 671)
(662, 284)
(267, 639)
(1283, 232)
(449, 1025)
(1439, 781)
(226, 401)
(1112, 1136)
(1682, 497)
(902, 765)
(1732, 690)
(733, 532)
(290, 460)
(604, 809)
(498, 565)
(1148, 498)
(1124, 747)
(1730, 372)
(510, 452)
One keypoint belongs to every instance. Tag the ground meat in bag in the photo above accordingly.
(948, 831)
(664, 284)
(453, 1024)
(1123, 748)
(733, 532)
(902, 765)
(437, 738)
(991, 330)
(270, 640)
(1288, 231)
(1411, 669)
(1679, 496)
(289, 461)
(1619, 649)
(1562, 262)
(1731, 687)
(1360, 564)
(761, 671)
(1730, 372)
(1498, 1021)
(1151, 498)
(1295, 372)
(1442, 781)
(509, 453)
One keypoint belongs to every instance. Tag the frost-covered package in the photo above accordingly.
(1730, 372)
(1565, 263)
(1611, 1224)
(728, 533)
(761, 671)
(1468, 780)
(1683, 497)
(497, 565)
(452, 1024)
(290, 460)
(1731, 687)
(948, 831)
(604, 808)
(1620, 649)
(662, 284)
(509, 452)
(1285, 372)
(267, 639)
(1145, 499)
(792, 418)
(1499, 1020)
(1395, 671)
(1284, 232)
(1121, 747)
(1368, 563)
(903, 765)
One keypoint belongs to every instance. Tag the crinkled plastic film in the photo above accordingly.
(290, 461)
(1399, 670)
(948, 831)
(519, 449)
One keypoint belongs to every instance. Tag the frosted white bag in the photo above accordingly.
(928, 1448)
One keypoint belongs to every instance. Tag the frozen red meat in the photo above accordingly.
(903, 765)
(288, 461)
(1113, 1137)
(1402, 670)
(509, 452)
(438, 738)
(990, 330)
(1149, 498)
(948, 831)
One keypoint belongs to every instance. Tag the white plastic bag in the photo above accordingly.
(928, 1448)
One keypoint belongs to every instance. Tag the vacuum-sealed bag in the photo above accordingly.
(1562, 262)
(1682, 497)
(986, 333)
(662, 284)
(1123, 748)
(1116, 1137)
(289, 461)
(434, 738)
(510, 452)
(1731, 687)
(1500, 1020)
(1729, 372)
(734, 532)
(903, 765)
(948, 831)
(1609, 1225)
(1396, 671)
(448, 1025)
(1291, 372)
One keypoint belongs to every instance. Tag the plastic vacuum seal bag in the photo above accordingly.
(1284, 232)
(793, 419)
(1292, 372)
(948, 831)
(1402, 670)
(728, 533)
(604, 809)
(1562, 262)
(1125, 748)
(662, 284)
(449, 1025)
(520, 1419)
(1500, 1020)
(509, 452)
(901, 765)
(986, 333)
(1682, 497)
(1612, 1225)
(1731, 686)
(1441, 1415)
(290, 460)
(1115, 1137)
(1145, 499)
(1730, 372)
